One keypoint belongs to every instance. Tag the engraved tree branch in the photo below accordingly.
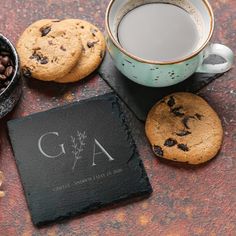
(77, 145)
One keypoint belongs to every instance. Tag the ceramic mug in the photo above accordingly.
(162, 74)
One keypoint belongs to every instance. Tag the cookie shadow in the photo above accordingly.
(185, 165)
(53, 89)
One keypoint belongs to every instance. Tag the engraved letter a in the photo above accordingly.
(102, 151)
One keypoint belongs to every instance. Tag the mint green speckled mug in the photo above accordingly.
(162, 74)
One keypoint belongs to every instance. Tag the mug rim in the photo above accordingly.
(193, 54)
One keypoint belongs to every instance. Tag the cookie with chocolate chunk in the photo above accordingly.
(183, 127)
(93, 51)
(49, 49)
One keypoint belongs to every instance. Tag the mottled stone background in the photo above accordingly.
(185, 201)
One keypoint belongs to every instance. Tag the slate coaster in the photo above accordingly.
(76, 158)
(140, 99)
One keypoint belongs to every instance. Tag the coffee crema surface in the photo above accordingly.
(158, 32)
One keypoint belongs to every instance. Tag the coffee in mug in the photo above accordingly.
(160, 32)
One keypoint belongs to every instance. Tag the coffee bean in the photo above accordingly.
(2, 89)
(2, 69)
(170, 142)
(158, 150)
(2, 77)
(7, 82)
(8, 71)
(5, 54)
(11, 63)
(5, 60)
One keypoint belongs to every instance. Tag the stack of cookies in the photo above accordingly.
(60, 50)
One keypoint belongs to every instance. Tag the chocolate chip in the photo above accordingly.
(82, 27)
(93, 31)
(185, 121)
(35, 56)
(91, 44)
(44, 60)
(183, 147)
(8, 71)
(171, 101)
(26, 72)
(45, 30)
(177, 111)
(62, 48)
(199, 116)
(40, 58)
(183, 133)
(170, 142)
(158, 150)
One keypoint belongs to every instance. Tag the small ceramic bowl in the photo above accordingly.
(10, 96)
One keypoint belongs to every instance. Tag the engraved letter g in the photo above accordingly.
(45, 154)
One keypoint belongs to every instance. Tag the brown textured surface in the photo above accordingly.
(186, 201)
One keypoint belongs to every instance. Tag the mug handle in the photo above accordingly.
(222, 51)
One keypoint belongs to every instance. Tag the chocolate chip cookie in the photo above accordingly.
(183, 127)
(49, 49)
(92, 54)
